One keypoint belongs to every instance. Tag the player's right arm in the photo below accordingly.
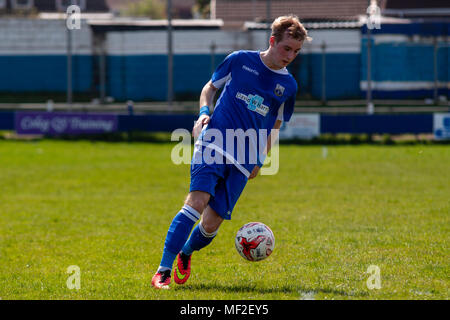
(218, 80)
(206, 100)
(207, 95)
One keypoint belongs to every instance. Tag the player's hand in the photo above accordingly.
(198, 126)
(254, 172)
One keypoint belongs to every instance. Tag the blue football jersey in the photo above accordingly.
(253, 98)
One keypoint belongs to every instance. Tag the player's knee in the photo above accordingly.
(197, 201)
(210, 227)
(211, 221)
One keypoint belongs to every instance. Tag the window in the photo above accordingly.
(62, 5)
(21, 4)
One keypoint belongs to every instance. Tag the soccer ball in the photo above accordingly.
(254, 241)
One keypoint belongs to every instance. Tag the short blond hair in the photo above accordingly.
(291, 25)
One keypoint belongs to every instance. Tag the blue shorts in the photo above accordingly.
(224, 182)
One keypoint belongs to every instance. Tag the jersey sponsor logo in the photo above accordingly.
(279, 90)
(250, 70)
(254, 103)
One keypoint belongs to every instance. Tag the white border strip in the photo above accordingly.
(225, 154)
(403, 85)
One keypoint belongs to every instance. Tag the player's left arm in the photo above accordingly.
(273, 136)
(284, 114)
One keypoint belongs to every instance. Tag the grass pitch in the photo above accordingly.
(106, 207)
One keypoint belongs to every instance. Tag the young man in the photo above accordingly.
(259, 94)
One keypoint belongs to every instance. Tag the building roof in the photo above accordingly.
(236, 12)
(181, 8)
(51, 5)
(417, 8)
(126, 24)
(417, 4)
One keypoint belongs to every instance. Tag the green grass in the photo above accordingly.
(106, 207)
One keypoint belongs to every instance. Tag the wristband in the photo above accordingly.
(204, 110)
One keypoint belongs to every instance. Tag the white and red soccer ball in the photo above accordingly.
(254, 241)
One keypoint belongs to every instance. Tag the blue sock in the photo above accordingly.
(179, 231)
(198, 240)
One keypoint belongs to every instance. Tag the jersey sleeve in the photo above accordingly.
(223, 71)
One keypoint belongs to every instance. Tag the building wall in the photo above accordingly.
(33, 56)
(137, 62)
(403, 61)
(33, 59)
(341, 60)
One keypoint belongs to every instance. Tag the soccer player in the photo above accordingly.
(258, 94)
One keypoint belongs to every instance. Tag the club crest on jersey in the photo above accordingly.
(279, 90)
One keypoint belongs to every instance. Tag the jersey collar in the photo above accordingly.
(283, 71)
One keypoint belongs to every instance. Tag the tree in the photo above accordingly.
(201, 9)
(154, 9)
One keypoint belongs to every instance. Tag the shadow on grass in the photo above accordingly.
(279, 289)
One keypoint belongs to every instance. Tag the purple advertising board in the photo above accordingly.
(54, 123)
